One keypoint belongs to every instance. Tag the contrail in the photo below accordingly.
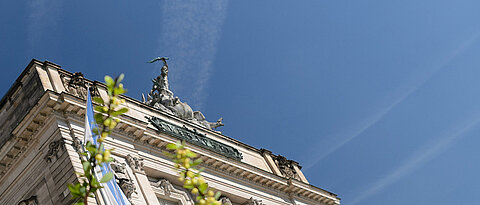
(416, 160)
(43, 16)
(190, 33)
(372, 120)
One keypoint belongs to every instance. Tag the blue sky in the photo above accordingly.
(378, 100)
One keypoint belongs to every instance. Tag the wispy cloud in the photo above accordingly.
(418, 159)
(190, 34)
(401, 95)
(42, 19)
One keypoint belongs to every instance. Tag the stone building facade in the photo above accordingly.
(42, 125)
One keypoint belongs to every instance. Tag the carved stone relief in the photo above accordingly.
(77, 85)
(30, 201)
(123, 179)
(53, 149)
(164, 185)
(169, 190)
(194, 137)
(286, 167)
(252, 201)
(135, 163)
(77, 144)
(225, 200)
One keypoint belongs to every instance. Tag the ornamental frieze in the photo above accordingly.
(192, 136)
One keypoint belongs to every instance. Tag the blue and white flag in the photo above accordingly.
(111, 193)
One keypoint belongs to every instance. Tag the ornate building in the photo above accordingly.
(42, 124)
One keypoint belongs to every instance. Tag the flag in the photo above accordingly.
(112, 194)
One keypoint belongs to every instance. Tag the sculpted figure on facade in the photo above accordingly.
(286, 167)
(163, 99)
(53, 149)
(77, 144)
(252, 201)
(169, 190)
(164, 185)
(123, 179)
(30, 201)
(135, 163)
(77, 85)
(225, 200)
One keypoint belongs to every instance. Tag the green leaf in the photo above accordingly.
(120, 78)
(217, 195)
(119, 112)
(106, 177)
(92, 150)
(191, 154)
(109, 81)
(168, 154)
(86, 166)
(196, 162)
(83, 191)
(98, 118)
(98, 108)
(171, 146)
(110, 159)
(95, 183)
(98, 100)
(188, 186)
(203, 187)
(119, 91)
(73, 189)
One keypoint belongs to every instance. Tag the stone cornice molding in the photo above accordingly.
(255, 177)
(242, 171)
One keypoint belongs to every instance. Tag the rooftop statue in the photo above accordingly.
(162, 98)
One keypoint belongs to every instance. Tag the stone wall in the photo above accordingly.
(21, 97)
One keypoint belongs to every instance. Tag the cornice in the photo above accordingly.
(18, 82)
(139, 132)
(245, 172)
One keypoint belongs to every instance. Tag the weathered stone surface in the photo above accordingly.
(18, 101)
